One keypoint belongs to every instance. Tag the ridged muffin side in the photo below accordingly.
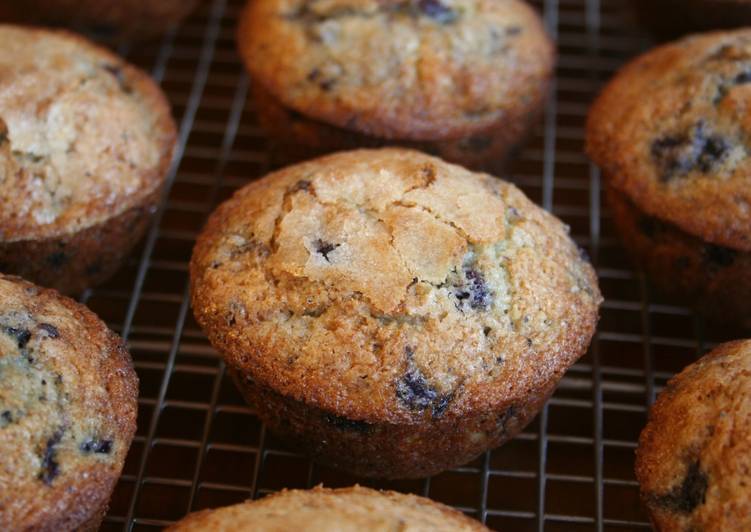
(716, 279)
(294, 137)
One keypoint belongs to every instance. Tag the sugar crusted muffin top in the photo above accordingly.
(671, 132)
(346, 509)
(387, 285)
(694, 455)
(67, 408)
(83, 135)
(409, 69)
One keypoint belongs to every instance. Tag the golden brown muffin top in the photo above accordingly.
(339, 510)
(408, 69)
(694, 455)
(83, 136)
(68, 406)
(387, 286)
(671, 132)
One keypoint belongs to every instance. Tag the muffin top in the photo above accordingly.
(322, 509)
(83, 136)
(67, 408)
(408, 69)
(388, 285)
(671, 131)
(694, 455)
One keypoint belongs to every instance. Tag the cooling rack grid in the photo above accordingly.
(198, 444)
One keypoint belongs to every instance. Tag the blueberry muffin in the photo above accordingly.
(129, 18)
(392, 314)
(672, 18)
(694, 455)
(68, 403)
(677, 168)
(463, 79)
(322, 509)
(85, 145)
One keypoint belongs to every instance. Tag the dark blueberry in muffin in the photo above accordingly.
(472, 290)
(479, 293)
(51, 330)
(440, 405)
(678, 155)
(50, 468)
(22, 336)
(413, 389)
(741, 78)
(436, 10)
(99, 446)
(687, 496)
(324, 248)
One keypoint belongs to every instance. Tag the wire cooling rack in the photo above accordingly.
(199, 445)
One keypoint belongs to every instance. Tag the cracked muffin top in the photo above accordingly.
(409, 69)
(387, 285)
(694, 455)
(83, 136)
(340, 510)
(67, 409)
(671, 132)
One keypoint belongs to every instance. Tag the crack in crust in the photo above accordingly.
(427, 173)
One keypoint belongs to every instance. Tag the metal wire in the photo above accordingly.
(199, 445)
